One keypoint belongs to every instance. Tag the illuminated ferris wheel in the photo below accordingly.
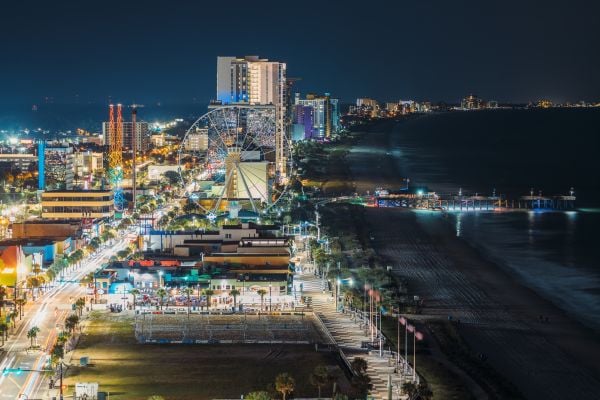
(235, 157)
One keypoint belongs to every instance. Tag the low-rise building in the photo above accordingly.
(43, 250)
(40, 228)
(78, 204)
(15, 267)
(17, 161)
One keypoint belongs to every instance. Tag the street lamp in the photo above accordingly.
(337, 292)
(270, 308)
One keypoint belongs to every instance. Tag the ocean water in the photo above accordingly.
(64, 117)
(513, 151)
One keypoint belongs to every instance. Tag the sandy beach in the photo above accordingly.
(500, 317)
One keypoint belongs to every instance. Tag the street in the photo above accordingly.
(47, 313)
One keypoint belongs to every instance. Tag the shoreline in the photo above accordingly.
(589, 324)
(499, 314)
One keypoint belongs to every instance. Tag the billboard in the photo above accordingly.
(86, 390)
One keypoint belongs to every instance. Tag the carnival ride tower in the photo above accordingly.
(115, 154)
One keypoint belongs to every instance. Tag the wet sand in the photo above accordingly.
(499, 316)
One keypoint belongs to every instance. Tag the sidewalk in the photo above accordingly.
(349, 336)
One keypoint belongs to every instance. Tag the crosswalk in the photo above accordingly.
(349, 333)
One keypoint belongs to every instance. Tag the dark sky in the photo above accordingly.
(149, 51)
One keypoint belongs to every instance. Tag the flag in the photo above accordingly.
(418, 335)
(410, 328)
(402, 320)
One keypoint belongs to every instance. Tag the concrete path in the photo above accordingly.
(349, 334)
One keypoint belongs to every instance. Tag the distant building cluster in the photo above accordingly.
(472, 102)
(315, 117)
(370, 108)
(141, 131)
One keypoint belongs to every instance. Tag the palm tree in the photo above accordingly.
(123, 254)
(161, 293)
(284, 384)
(50, 274)
(32, 334)
(188, 291)
(260, 395)
(80, 303)
(425, 392)
(78, 256)
(319, 377)
(208, 293)
(42, 281)
(71, 322)
(134, 292)
(361, 384)
(409, 388)
(96, 242)
(2, 296)
(20, 303)
(235, 293)
(33, 282)
(262, 293)
(359, 365)
(63, 337)
(12, 316)
(3, 331)
(58, 352)
(36, 269)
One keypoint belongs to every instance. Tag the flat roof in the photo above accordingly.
(246, 254)
(49, 222)
(77, 191)
(32, 242)
(12, 155)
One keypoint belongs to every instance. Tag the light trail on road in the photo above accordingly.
(28, 384)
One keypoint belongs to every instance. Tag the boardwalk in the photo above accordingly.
(348, 334)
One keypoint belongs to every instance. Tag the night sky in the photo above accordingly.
(151, 51)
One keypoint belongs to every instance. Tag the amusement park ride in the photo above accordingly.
(115, 154)
(246, 162)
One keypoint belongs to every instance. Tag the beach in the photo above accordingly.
(544, 352)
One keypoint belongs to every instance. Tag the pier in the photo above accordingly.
(454, 202)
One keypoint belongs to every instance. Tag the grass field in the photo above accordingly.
(129, 370)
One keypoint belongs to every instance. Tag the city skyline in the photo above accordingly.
(313, 200)
(439, 52)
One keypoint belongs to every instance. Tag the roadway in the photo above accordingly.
(48, 313)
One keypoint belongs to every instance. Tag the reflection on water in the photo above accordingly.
(458, 224)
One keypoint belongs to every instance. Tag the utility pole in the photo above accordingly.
(61, 380)
(317, 223)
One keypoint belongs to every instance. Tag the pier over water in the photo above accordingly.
(460, 202)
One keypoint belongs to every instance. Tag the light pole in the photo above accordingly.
(337, 292)
(270, 308)
(61, 380)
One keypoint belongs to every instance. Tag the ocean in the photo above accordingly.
(512, 152)
(63, 117)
